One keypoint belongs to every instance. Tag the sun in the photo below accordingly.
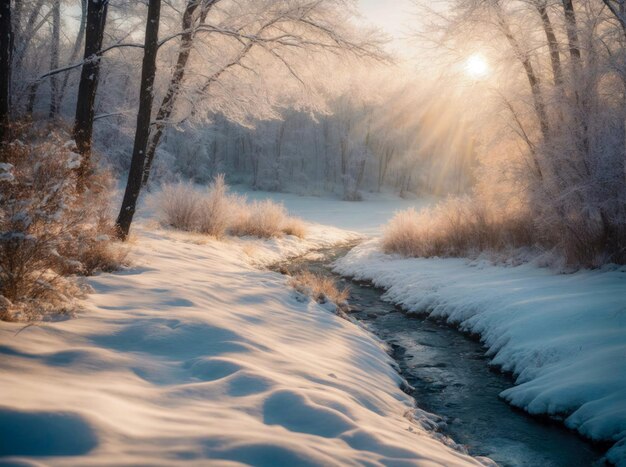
(476, 66)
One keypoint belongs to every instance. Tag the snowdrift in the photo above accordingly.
(562, 336)
(195, 355)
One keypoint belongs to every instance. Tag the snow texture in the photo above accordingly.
(563, 336)
(195, 354)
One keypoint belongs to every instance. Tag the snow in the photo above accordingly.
(366, 217)
(563, 336)
(196, 354)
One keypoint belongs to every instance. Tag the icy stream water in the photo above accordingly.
(451, 378)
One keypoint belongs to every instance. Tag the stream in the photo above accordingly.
(451, 377)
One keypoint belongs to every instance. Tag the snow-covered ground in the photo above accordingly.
(366, 217)
(194, 354)
(563, 336)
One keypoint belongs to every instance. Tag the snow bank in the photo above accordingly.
(562, 336)
(194, 355)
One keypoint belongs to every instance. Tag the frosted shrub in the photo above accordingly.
(294, 226)
(262, 219)
(215, 209)
(178, 205)
(321, 289)
(217, 212)
(457, 227)
(48, 228)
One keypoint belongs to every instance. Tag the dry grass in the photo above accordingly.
(215, 209)
(178, 205)
(456, 227)
(217, 212)
(321, 289)
(294, 226)
(263, 219)
(465, 227)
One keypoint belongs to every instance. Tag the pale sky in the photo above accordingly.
(392, 16)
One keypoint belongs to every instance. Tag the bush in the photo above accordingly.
(321, 289)
(294, 226)
(456, 227)
(217, 212)
(48, 228)
(178, 205)
(216, 209)
(263, 219)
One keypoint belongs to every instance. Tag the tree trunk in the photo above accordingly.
(88, 85)
(25, 36)
(531, 75)
(6, 44)
(572, 31)
(553, 45)
(54, 58)
(144, 115)
(80, 36)
(167, 105)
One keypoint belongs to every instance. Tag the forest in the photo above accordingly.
(165, 163)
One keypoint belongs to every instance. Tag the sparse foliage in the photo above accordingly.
(47, 231)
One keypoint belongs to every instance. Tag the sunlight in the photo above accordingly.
(476, 66)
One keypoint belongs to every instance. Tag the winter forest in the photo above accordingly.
(313, 232)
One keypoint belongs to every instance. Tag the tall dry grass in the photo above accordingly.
(217, 212)
(456, 227)
(322, 289)
(465, 227)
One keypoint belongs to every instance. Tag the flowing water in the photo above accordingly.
(450, 377)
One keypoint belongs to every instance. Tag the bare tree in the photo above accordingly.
(54, 58)
(6, 46)
(88, 86)
(191, 19)
(80, 37)
(144, 116)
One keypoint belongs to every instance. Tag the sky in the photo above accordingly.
(392, 16)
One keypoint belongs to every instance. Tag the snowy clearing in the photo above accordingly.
(562, 336)
(196, 354)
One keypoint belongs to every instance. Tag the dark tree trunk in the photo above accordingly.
(148, 71)
(88, 86)
(6, 45)
(553, 45)
(167, 105)
(54, 58)
(572, 31)
(618, 8)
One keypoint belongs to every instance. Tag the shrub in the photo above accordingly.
(321, 289)
(456, 227)
(294, 226)
(48, 228)
(178, 205)
(218, 212)
(263, 219)
(468, 226)
(215, 210)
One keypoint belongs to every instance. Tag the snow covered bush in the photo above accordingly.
(48, 228)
